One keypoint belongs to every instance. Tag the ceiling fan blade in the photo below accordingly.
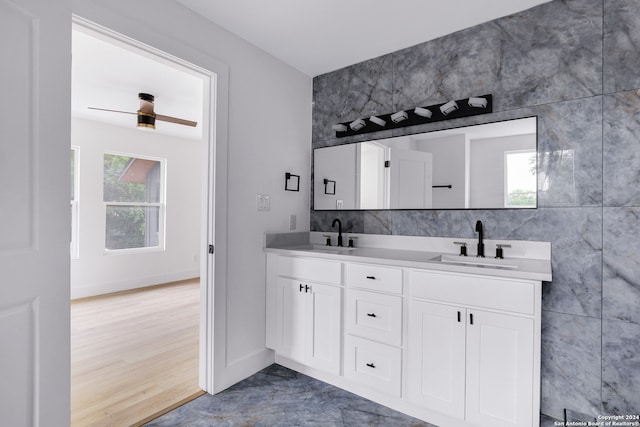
(175, 120)
(111, 111)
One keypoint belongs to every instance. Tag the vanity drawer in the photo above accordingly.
(489, 292)
(374, 277)
(374, 365)
(374, 316)
(318, 270)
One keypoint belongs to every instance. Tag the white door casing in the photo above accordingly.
(212, 215)
(35, 116)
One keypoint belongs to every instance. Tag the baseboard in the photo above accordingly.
(126, 285)
(240, 369)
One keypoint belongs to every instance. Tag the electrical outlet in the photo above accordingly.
(292, 222)
(263, 202)
(339, 204)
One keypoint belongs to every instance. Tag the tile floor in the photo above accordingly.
(277, 396)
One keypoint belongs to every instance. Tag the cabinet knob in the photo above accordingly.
(371, 277)
(371, 314)
(371, 365)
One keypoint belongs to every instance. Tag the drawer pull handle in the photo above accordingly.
(371, 365)
(371, 277)
(458, 317)
(371, 314)
(471, 318)
(301, 287)
(307, 288)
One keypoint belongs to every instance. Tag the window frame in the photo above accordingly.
(161, 205)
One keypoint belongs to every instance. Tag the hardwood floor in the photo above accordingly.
(134, 354)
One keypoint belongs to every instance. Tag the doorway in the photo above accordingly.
(169, 251)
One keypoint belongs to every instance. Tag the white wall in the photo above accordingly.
(95, 272)
(268, 133)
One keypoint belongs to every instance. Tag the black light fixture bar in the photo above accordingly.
(464, 109)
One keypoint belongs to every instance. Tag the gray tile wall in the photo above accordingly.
(576, 65)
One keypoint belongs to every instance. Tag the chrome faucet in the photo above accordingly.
(333, 224)
(480, 244)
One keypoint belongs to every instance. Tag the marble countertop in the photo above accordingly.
(510, 267)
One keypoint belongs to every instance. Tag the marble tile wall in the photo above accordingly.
(574, 64)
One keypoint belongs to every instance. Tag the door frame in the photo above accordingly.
(213, 216)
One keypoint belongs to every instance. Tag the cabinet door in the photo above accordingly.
(291, 319)
(324, 320)
(499, 369)
(436, 352)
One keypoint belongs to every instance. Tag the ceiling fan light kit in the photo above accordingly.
(146, 116)
(146, 120)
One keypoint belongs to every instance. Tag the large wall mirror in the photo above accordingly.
(487, 166)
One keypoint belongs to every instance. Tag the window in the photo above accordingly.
(74, 202)
(520, 179)
(134, 202)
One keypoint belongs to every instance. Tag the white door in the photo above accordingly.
(437, 357)
(35, 116)
(292, 319)
(411, 179)
(323, 332)
(499, 369)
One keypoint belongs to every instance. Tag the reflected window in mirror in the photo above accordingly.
(520, 179)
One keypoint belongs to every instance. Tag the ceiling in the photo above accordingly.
(319, 36)
(314, 36)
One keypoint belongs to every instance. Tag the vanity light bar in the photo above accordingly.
(453, 109)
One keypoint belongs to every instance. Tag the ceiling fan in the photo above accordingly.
(146, 116)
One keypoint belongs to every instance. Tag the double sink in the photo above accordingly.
(470, 261)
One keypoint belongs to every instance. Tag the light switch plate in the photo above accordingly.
(263, 202)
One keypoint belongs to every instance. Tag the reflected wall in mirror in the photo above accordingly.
(487, 166)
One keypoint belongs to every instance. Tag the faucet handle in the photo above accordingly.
(499, 247)
(328, 237)
(463, 248)
(351, 239)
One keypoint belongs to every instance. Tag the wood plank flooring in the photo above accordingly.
(134, 354)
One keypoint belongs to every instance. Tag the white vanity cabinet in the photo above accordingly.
(473, 353)
(308, 317)
(373, 319)
(454, 343)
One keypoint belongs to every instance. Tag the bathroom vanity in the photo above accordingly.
(408, 323)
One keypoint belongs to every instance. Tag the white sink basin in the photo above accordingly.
(477, 261)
